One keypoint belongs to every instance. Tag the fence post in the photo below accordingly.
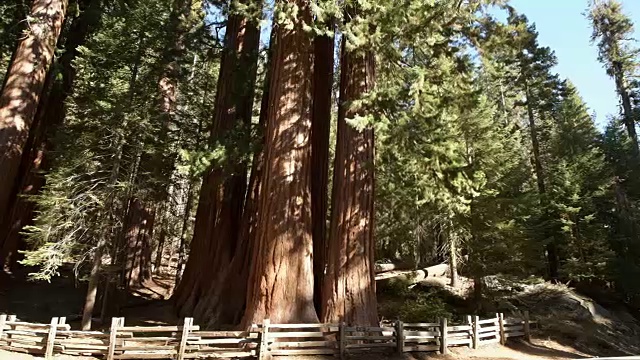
(115, 322)
(3, 321)
(399, 337)
(476, 331)
(527, 326)
(264, 340)
(10, 318)
(470, 323)
(62, 320)
(342, 343)
(443, 336)
(503, 337)
(51, 337)
(186, 328)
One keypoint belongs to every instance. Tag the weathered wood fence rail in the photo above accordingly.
(189, 342)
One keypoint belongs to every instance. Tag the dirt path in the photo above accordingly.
(539, 350)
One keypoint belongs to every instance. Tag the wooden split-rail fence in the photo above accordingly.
(189, 342)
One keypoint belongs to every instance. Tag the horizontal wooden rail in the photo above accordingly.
(187, 341)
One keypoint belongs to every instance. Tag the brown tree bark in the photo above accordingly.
(49, 116)
(182, 249)
(280, 285)
(453, 259)
(228, 299)
(102, 245)
(137, 244)
(320, 128)
(349, 288)
(223, 190)
(21, 93)
(10, 41)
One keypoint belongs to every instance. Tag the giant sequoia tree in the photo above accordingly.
(479, 149)
(50, 114)
(24, 83)
(349, 286)
(220, 210)
(281, 277)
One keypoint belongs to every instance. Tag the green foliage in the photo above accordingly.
(12, 15)
(482, 150)
(398, 301)
(115, 143)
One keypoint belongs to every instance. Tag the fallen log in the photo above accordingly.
(384, 267)
(412, 277)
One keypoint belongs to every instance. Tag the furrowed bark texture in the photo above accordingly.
(281, 279)
(50, 114)
(223, 191)
(21, 93)
(320, 127)
(137, 243)
(349, 287)
(228, 299)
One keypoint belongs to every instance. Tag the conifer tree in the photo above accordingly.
(613, 31)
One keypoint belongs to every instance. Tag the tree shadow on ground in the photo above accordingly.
(38, 301)
(541, 350)
(576, 321)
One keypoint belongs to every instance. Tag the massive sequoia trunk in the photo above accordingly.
(21, 93)
(280, 285)
(320, 128)
(223, 190)
(50, 114)
(349, 286)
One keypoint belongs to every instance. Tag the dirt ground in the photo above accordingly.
(37, 302)
(516, 350)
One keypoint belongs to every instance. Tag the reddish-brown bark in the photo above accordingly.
(21, 93)
(280, 284)
(49, 115)
(320, 128)
(137, 244)
(227, 300)
(349, 286)
(223, 190)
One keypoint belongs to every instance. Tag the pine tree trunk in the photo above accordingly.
(50, 115)
(349, 293)
(24, 84)
(627, 108)
(280, 285)
(223, 190)
(551, 247)
(320, 128)
(182, 250)
(478, 289)
(157, 264)
(453, 260)
(103, 241)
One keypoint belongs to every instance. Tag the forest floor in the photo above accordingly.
(572, 326)
(538, 350)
